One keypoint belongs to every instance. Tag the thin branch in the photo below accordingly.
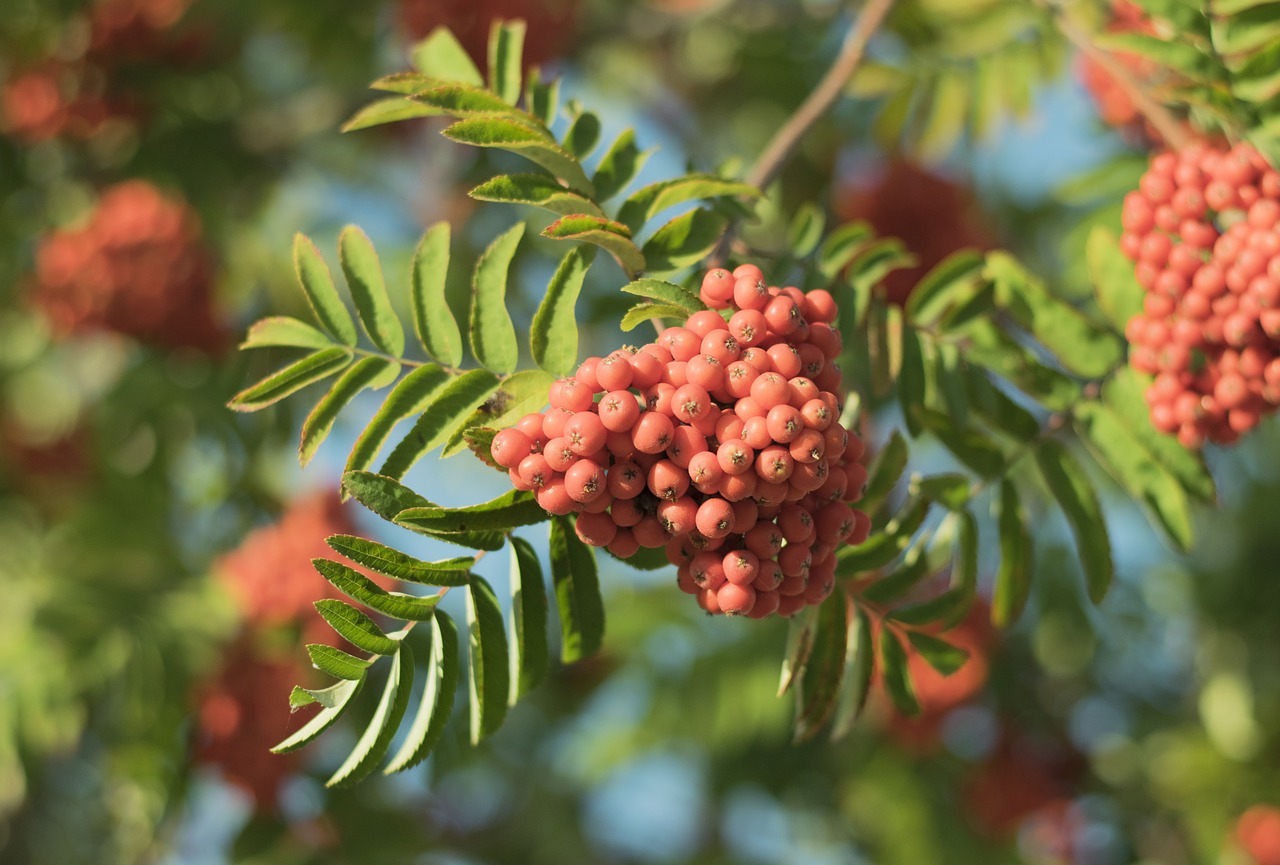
(823, 96)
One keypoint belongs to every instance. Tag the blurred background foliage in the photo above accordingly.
(156, 157)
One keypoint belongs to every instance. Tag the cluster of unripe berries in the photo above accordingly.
(1204, 230)
(719, 442)
(137, 267)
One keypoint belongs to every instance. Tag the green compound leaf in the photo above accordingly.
(358, 587)
(333, 702)
(553, 334)
(317, 284)
(442, 56)
(1119, 294)
(884, 473)
(525, 140)
(462, 100)
(859, 664)
(507, 511)
(440, 418)
(1124, 393)
(944, 657)
(651, 200)
(577, 584)
(487, 665)
(438, 692)
(818, 685)
(952, 491)
(337, 663)
(393, 563)
(536, 190)
(433, 321)
(293, 378)
(389, 109)
(520, 394)
(506, 59)
(530, 656)
(613, 237)
(1013, 579)
(990, 347)
(385, 496)
(493, 335)
(355, 627)
(619, 166)
(666, 293)
(896, 673)
(968, 445)
(952, 281)
(998, 409)
(369, 291)
(373, 743)
(369, 372)
(642, 312)
(282, 330)
(883, 547)
(411, 395)
(683, 241)
(1071, 487)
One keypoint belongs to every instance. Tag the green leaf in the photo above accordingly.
(642, 312)
(1013, 579)
(368, 372)
(805, 230)
(652, 559)
(373, 743)
(487, 665)
(911, 380)
(577, 583)
(651, 200)
(619, 165)
(1071, 487)
(884, 473)
(542, 99)
(859, 664)
(337, 663)
(355, 627)
(385, 496)
(438, 692)
(1136, 469)
(369, 291)
(520, 394)
(800, 632)
(945, 374)
(493, 335)
(525, 140)
(683, 241)
(293, 378)
(841, 247)
(666, 293)
(405, 83)
(507, 511)
(334, 703)
(949, 490)
(553, 335)
(389, 109)
(894, 585)
(997, 409)
(281, 330)
(990, 347)
(896, 673)
(944, 657)
(1177, 55)
(440, 418)
(876, 261)
(883, 547)
(969, 446)
(536, 190)
(1124, 393)
(612, 237)
(357, 586)
(463, 100)
(482, 540)
(944, 122)
(442, 56)
(583, 135)
(506, 59)
(530, 657)
(317, 284)
(951, 281)
(950, 607)
(1119, 295)
(1081, 346)
(410, 396)
(393, 563)
(818, 687)
(433, 321)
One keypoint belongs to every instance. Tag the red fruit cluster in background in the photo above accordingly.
(1115, 106)
(1258, 833)
(136, 267)
(933, 216)
(134, 30)
(1022, 778)
(1204, 229)
(720, 442)
(550, 23)
(47, 102)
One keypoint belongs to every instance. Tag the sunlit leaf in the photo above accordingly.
(612, 237)
(433, 320)
(317, 284)
(577, 585)
(393, 563)
(493, 335)
(438, 691)
(487, 665)
(358, 587)
(530, 657)
(553, 334)
(314, 367)
(368, 372)
(373, 743)
(1071, 487)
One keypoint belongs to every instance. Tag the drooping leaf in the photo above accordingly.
(525, 140)
(1074, 492)
(442, 56)
(944, 657)
(577, 585)
(553, 334)
(357, 586)
(436, 704)
(333, 704)
(385, 496)
(506, 59)
(317, 284)
(896, 674)
(990, 347)
(355, 627)
(969, 445)
(859, 664)
(619, 166)
(314, 367)
(337, 663)
(1013, 579)
(389, 109)
(945, 372)
(613, 237)
(507, 511)
(487, 665)
(911, 379)
(368, 372)
(411, 395)
(1124, 394)
(805, 230)
(281, 330)
(433, 321)
(373, 743)
(642, 312)
(440, 418)
(800, 633)
(666, 293)
(393, 563)
(369, 290)
(493, 335)
(917, 566)
(683, 241)
(998, 409)
(536, 190)
(890, 462)
(950, 281)
(818, 688)
(648, 202)
(530, 657)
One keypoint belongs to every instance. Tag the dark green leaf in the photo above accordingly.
(945, 374)
(1013, 579)
(876, 261)
(998, 409)
(454, 404)
(506, 58)
(337, 663)
(667, 293)
(553, 335)
(393, 563)
(441, 56)
(883, 547)
(385, 496)
(438, 692)
(373, 743)
(530, 657)
(884, 473)
(357, 586)
(612, 237)
(911, 381)
(484, 540)
(333, 704)
(619, 166)
(281, 330)
(949, 490)
(1071, 487)
(859, 664)
(410, 396)
(525, 140)
(433, 321)
(493, 335)
(583, 135)
(317, 284)
(897, 583)
(389, 109)
(896, 673)
(487, 665)
(941, 655)
(537, 190)
(805, 229)
(1124, 394)
(969, 446)
(542, 99)
(800, 632)
(577, 582)
(642, 312)
(507, 511)
(990, 347)
(293, 378)
(357, 628)
(368, 372)
(369, 291)
(818, 687)
(653, 559)
(953, 280)
(651, 200)
(683, 241)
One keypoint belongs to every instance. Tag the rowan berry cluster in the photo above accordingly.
(1202, 229)
(137, 267)
(720, 442)
(1115, 103)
